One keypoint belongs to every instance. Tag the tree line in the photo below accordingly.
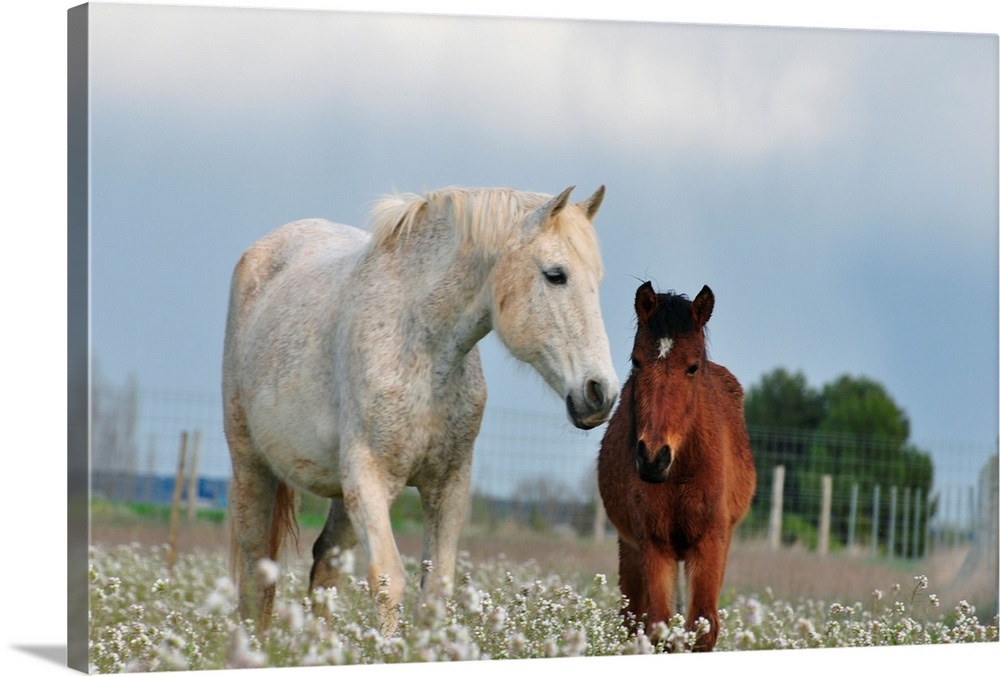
(850, 428)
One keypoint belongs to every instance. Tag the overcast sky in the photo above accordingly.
(837, 189)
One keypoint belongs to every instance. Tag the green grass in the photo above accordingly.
(117, 513)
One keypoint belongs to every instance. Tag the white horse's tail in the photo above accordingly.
(283, 523)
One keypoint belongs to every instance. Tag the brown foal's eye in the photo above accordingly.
(692, 369)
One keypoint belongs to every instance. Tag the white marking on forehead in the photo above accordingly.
(665, 344)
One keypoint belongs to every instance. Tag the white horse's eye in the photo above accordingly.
(555, 276)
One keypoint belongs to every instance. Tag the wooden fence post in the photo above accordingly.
(777, 491)
(147, 483)
(175, 510)
(192, 492)
(824, 518)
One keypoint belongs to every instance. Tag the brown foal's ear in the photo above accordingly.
(701, 308)
(645, 302)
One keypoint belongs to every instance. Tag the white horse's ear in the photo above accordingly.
(551, 209)
(592, 203)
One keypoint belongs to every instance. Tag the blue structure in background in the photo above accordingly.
(156, 489)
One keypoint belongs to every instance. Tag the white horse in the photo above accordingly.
(351, 370)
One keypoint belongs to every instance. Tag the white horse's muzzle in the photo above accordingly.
(591, 405)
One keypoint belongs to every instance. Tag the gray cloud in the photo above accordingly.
(732, 92)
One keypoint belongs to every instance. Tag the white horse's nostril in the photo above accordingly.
(595, 393)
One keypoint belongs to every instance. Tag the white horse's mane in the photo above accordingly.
(480, 215)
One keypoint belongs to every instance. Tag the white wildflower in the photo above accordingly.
(575, 640)
(642, 644)
(804, 627)
(754, 613)
(745, 639)
(342, 560)
(267, 572)
(325, 599)
(382, 596)
(434, 610)
(241, 653)
(471, 600)
(659, 631)
(497, 619)
(171, 652)
(222, 600)
(292, 614)
(518, 642)
(678, 638)
(702, 627)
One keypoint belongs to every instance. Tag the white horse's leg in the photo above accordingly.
(252, 496)
(367, 499)
(335, 541)
(445, 504)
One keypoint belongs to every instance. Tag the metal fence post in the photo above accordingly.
(905, 530)
(892, 522)
(852, 519)
(875, 522)
(600, 517)
(777, 491)
(931, 537)
(953, 502)
(972, 514)
(824, 519)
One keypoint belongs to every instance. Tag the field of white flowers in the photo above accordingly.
(144, 619)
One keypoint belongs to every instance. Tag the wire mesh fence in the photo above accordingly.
(837, 491)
